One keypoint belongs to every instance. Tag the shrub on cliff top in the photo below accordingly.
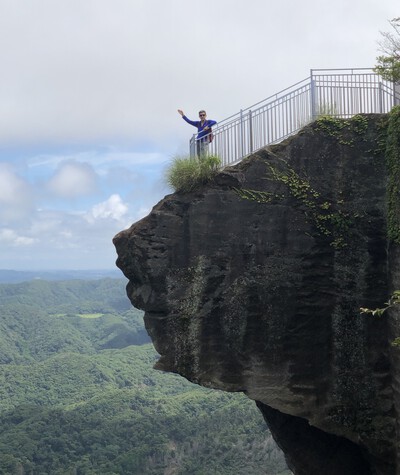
(186, 174)
(389, 63)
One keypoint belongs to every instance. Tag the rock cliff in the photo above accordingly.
(254, 282)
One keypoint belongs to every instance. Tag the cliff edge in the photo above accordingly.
(254, 282)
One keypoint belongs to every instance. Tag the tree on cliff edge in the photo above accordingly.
(389, 63)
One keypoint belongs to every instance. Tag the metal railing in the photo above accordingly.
(338, 92)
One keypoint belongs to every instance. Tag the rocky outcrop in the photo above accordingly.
(254, 283)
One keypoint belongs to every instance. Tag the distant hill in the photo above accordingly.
(40, 318)
(13, 276)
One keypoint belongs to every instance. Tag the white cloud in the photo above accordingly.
(113, 208)
(103, 72)
(109, 157)
(65, 240)
(90, 91)
(16, 196)
(138, 158)
(10, 237)
(55, 160)
(73, 180)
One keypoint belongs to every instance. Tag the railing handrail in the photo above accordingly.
(275, 96)
(342, 92)
(343, 69)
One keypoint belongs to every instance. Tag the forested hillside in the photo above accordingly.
(41, 318)
(78, 394)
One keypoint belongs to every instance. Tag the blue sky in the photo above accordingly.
(89, 97)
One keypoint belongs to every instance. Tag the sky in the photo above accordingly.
(90, 91)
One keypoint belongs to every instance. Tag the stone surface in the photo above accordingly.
(260, 293)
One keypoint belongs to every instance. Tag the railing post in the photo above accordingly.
(192, 146)
(251, 131)
(380, 98)
(313, 96)
(241, 135)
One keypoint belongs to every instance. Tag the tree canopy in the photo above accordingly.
(388, 64)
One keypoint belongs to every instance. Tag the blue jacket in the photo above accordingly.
(200, 128)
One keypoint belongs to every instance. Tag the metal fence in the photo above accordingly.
(339, 92)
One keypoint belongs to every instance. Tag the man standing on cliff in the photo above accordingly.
(204, 130)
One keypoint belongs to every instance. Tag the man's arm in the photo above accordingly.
(209, 124)
(195, 123)
(191, 122)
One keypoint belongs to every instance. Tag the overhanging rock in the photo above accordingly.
(254, 283)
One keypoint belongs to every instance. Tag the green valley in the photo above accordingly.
(79, 395)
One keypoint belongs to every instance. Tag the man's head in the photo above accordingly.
(202, 115)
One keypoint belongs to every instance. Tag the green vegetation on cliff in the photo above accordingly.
(186, 174)
(393, 163)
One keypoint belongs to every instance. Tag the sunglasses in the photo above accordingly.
(202, 115)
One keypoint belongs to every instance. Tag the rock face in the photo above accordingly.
(254, 283)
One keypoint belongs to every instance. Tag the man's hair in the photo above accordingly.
(202, 111)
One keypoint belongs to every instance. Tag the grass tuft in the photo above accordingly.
(186, 174)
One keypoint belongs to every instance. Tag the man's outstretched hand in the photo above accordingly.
(181, 112)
